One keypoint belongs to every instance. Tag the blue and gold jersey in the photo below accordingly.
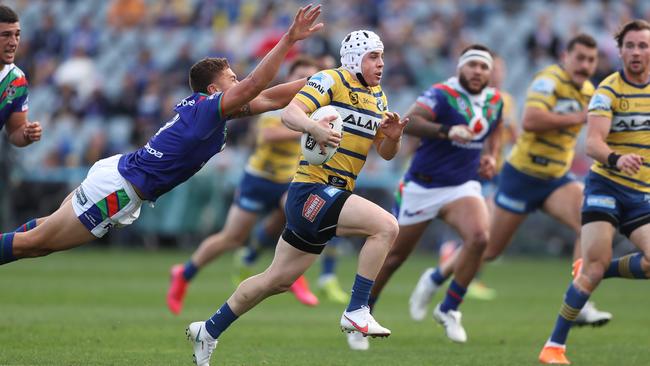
(628, 106)
(360, 108)
(548, 154)
(277, 161)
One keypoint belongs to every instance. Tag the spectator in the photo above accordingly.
(124, 14)
(79, 71)
(48, 40)
(542, 43)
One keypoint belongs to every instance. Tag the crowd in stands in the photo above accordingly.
(104, 75)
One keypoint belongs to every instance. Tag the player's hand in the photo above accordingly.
(32, 131)
(460, 133)
(580, 117)
(392, 126)
(323, 133)
(629, 163)
(303, 24)
(487, 168)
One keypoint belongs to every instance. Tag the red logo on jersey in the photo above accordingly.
(312, 207)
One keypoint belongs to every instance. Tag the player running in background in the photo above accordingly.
(536, 174)
(477, 289)
(458, 122)
(262, 190)
(320, 203)
(115, 188)
(617, 187)
(13, 86)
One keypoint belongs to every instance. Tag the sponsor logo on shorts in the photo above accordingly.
(331, 191)
(90, 219)
(312, 207)
(511, 203)
(601, 201)
(411, 214)
(81, 196)
(250, 204)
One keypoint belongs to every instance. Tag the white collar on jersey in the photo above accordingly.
(6, 70)
(480, 97)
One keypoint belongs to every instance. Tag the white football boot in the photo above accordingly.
(362, 321)
(421, 296)
(451, 321)
(589, 315)
(358, 342)
(202, 342)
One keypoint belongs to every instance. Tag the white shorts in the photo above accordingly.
(105, 199)
(420, 204)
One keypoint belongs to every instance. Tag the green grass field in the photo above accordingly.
(97, 307)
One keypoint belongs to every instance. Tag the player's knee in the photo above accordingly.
(388, 228)
(234, 239)
(477, 239)
(593, 271)
(280, 286)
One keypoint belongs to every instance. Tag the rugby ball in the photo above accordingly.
(312, 152)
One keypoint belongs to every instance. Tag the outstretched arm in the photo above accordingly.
(271, 99)
(22, 132)
(241, 94)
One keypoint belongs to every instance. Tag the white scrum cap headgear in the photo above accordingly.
(355, 45)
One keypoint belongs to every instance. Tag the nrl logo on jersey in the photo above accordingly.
(11, 91)
(461, 103)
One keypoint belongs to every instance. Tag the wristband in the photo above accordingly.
(612, 159)
(444, 130)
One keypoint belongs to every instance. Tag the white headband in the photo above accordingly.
(475, 55)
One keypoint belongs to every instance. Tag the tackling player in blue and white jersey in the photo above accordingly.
(459, 122)
(116, 187)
